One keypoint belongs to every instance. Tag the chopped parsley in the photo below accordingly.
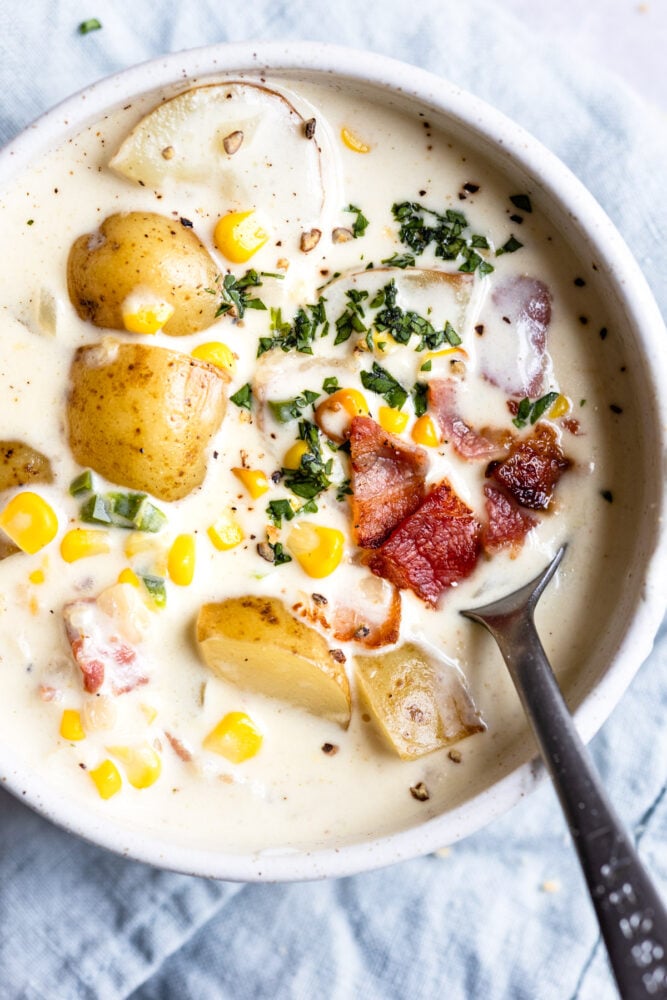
(510, 246)
(314, 474)
(380, 381)
(243, 398)
(401, 260)
(449, 232)
(402, 325)
(285, 410)
(343, 490)
(234, 295)
(360, 224)
(351, 321)
(531, 412)
(330, 384)
(420, 398)
(279, 555)
(522, 202)
(300, 333)
(279, 509)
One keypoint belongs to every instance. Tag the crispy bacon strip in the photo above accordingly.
(387, 481)
(432, 549)
(507, 525)
(532, 468)
(467, 442)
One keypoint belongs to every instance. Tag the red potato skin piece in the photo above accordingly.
(507, 524)
(387, 481)
(433, 548)
(532, 468)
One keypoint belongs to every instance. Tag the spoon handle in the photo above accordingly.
(632, 917)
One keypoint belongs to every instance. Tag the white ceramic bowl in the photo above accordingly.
(633, 621)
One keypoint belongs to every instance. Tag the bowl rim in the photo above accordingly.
(484, 122)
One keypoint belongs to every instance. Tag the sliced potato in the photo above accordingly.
(20, 464)
(143, 416)
(247, 137)
(143, 257)
(256, 643)
(417, 703)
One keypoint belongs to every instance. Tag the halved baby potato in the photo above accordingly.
(418, 704)
(246, 140)
(143, 416)
(143, 261)
(255, 643)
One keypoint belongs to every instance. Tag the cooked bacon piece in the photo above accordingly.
(532, 468)
(468, 443)
(432, 549)
(512, 349)
(372, 624)
(101, 632)
(507, 524)
(387, 481)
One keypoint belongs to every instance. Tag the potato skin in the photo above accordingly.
(142, 250)
(256, 643)
(20, 465)
(143, 416)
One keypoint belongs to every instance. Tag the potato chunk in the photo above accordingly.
(256, 643)
(142, 260)
(20, 464)
(417, 703)
(143, 416)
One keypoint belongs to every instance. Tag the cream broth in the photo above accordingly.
(293, 795)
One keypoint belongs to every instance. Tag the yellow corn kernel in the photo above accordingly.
(29, 521)
(128, 575)
(71, 727)
(181, 560)
(560, 407)
(351, 400)
(81, 542)
(148, 318)
(353, 141)
(142, 543)
(107, 779)
(142, 764)
(149, 712)
(226, 533)
(254, 481)
(392, 420)
(447, 352)
(37, 576)
(318, 549)
(235, 737)
(239, 235)
(218, 354)
(425, 432)
(331, 415)
(293, 455)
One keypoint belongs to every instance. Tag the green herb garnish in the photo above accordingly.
(420, 398)
(313, 475)
(360, 224)
(380, 381)
(279, 555)
(522, 202)
(300, 333)
(449, 232)
(235, 296)
(92, 24)
(343, 490)
(531, 412)
(401, 260)
(330, 384)
(279, 509)
(243, 398)
(285, 410)
(510, 246)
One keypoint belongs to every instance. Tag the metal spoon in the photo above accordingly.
(632, 917)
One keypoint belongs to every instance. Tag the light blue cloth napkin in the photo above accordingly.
(77, 922)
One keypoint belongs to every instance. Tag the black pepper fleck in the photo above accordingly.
(607, 495)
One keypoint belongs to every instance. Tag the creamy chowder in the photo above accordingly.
(423, 401)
